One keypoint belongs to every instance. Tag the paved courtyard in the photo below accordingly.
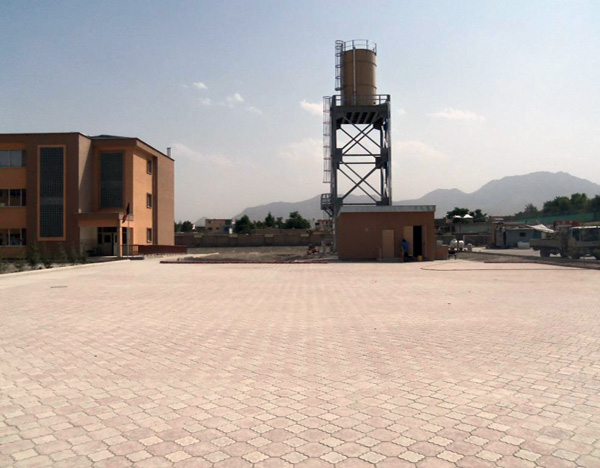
(345, 364)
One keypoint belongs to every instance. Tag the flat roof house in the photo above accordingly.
(376, 232)
(75, 189)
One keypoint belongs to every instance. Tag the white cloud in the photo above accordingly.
(199, 85)
(314, 108)
(401, 111)
(235, 98)
(179, 150)
(456, 114)
(254, 110)
(418, 150)
(205, 101)
(307, 150)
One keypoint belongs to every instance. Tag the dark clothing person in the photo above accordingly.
(405, 247)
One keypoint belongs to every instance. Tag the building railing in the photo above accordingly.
(360, 100)
(358, 44)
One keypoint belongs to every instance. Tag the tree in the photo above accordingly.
(558, 206)
(478, 216)
(270, 221)
(187, 226)
(296, 221)
(578, 202)
(457, 211)
(243, 225)
(531, 210)
(178, 226)
(594, 204)
(279, 224)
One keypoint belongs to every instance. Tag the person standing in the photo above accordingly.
(405, 247)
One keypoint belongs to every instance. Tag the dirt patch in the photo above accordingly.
(253, 255)
(588, 262)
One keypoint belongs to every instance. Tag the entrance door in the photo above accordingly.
(417, 241)
(108, 241)
(387, 243)
(115, 244)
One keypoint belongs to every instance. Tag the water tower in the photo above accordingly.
(356, 132)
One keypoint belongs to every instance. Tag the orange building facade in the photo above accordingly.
(376, 232)
(102, 195)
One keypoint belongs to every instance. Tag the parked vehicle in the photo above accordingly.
(574, 242)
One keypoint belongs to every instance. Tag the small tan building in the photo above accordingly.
(74, 190)
(376, 232)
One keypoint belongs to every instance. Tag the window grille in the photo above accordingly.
(51, 192)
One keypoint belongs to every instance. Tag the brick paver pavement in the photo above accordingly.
(348, 364)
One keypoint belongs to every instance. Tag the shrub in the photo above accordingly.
(46, 257)
(73, 256)
(20, 262)
(83, 257)
(61, 254)
(33, 255)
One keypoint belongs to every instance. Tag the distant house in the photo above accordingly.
(219, 226)
(323, 225)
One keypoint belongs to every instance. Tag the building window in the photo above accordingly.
(148, 200)
(51, 192)
(12, 237)
(149, 166)
(111, 180)
(12, 197)
(149, 235)
(12, 158)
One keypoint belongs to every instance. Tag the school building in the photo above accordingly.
(104, 195)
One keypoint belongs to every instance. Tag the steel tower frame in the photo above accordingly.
(357, 144)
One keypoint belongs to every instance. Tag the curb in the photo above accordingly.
(62, 268)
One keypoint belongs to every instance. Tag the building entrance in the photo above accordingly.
(417, 241)
(108, 241)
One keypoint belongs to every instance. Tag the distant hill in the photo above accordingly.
(509, 195)
(504, 196)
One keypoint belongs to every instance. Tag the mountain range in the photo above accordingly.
(505, 196)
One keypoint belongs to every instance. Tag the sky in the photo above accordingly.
(480, 89)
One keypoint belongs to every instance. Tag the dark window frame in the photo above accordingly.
(51, 202)
(9, 153)
(149, 235)
(149, 166)
(21, 232)
(112, 189)
(148, 200)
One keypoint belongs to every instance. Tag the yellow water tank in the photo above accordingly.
(359, 76)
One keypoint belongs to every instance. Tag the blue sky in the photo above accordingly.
(480, 90)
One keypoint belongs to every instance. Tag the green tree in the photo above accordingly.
(457, 211)
(558, 206)
(478, 216)
(279, 223)
(187, 226)
(270, 221)
(578, 203)
(296, 221)
(178, 226)
(531, 210)
(594, 204)
(243, 225)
